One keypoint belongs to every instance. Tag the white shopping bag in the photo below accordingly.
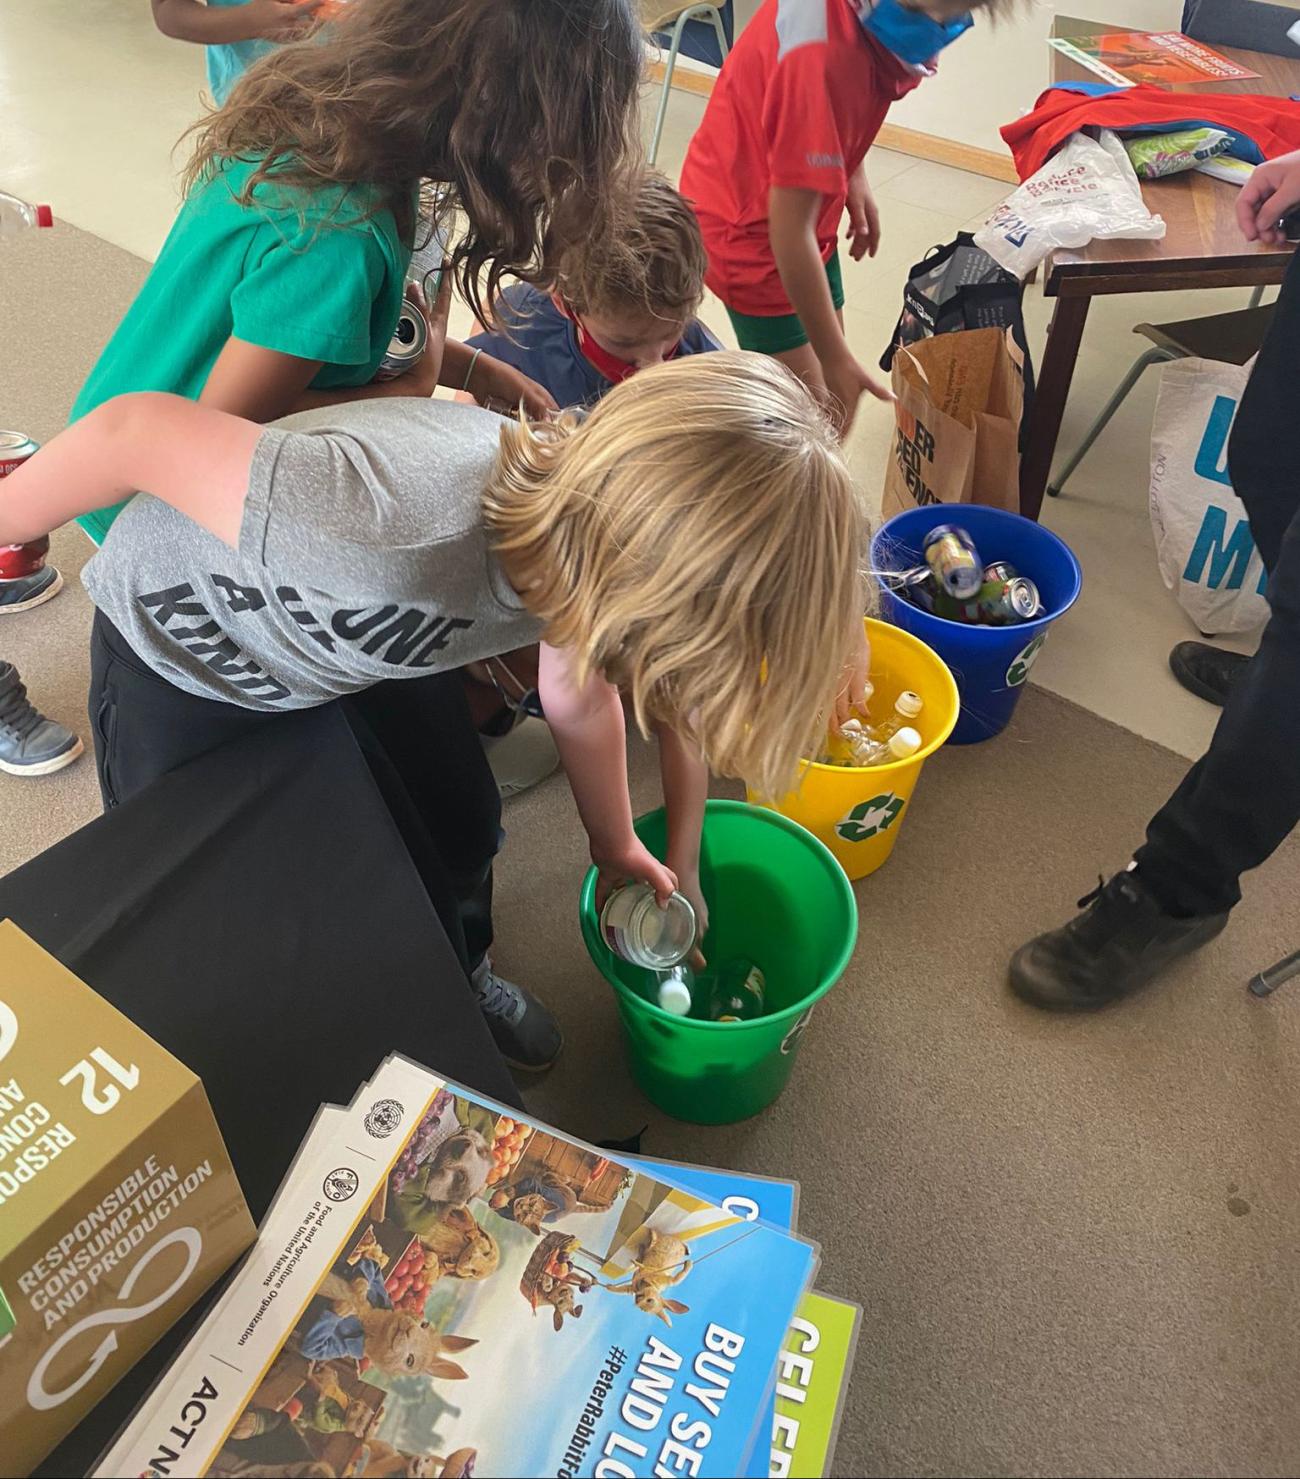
(1203, 541)
(1086, 191)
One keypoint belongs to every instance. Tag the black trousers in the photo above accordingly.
(1242, 798)
(415, 733)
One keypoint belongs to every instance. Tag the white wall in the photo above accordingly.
(994, 73)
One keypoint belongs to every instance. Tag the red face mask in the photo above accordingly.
(614, 370)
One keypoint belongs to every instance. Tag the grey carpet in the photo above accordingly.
(62, 293)
(1075, 1240)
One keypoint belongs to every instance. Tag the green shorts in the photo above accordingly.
(775, 333)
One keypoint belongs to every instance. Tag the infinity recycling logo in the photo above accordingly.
(870, 818)
(1024, 660)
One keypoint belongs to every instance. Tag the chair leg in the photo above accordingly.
(669, 67)
(1257, 297)
(719, 30)
(1269, 980)
(1151, 357)
(709, 13)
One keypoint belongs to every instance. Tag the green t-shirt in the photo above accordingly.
(308, 276)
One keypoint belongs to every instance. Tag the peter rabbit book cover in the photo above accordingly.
(444, 1287)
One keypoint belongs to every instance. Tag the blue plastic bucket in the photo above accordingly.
(989, 663)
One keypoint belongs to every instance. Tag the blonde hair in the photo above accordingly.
(698, 541)
(650, 259)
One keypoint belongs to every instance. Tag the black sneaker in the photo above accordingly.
(1208, 672)
(30, 744)
(30, 590)
(1122, 939)
(527, 1035)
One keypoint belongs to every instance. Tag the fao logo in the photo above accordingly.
(341, 1185)
(383, 1118)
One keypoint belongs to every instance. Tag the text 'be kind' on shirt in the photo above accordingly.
(798, 103)
(362, 556)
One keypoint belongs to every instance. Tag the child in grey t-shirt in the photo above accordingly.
(696, 543)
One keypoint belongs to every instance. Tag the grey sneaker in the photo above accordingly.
(30, 590)
(30, 744)
(527, 1035)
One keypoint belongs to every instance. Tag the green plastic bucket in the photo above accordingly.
(776, 897)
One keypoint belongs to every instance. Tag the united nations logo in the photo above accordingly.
(341, 1185)
(383, 1118)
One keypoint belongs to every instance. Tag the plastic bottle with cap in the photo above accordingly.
(907, 707)
(675, 991)
(901, 745)
(17, 215)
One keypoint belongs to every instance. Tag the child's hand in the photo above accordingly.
(864, 218)
(630, 862)
(851, 700)
(688, 883)
(494, 383)
(845, 380)
(422, 378)
(280, 20)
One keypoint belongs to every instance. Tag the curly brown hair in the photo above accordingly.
(649, 259)
(523, 110)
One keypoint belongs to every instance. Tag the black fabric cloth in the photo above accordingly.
(255, 911)
(1241, 799)
(416, 734)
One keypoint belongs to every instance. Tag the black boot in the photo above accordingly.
(1122, 939)
(1208, 672)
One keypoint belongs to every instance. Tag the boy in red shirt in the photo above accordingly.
(780, 154)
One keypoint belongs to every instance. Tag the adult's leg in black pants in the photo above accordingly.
(1242, 798)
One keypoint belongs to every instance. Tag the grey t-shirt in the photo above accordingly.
(362, 556)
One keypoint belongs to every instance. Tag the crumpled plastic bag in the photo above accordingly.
(1153, 156)
(1086, 192)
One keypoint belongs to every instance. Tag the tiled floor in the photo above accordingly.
(92, 104)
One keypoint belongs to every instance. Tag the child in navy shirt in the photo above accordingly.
(616, 306)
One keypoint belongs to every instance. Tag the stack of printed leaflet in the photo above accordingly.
(443, 1287)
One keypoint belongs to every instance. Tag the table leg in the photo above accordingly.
(1053, 389)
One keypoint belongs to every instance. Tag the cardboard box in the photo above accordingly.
(118, 1202)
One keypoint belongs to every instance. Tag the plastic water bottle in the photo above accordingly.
(738, 993)
(675, 990)
(900, 745)
(16, 215)
(907, 706)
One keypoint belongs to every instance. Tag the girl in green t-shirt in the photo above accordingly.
(279, 285)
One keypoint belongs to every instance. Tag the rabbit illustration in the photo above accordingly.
(560, 1296)
(661, 1261)
(394, 1341)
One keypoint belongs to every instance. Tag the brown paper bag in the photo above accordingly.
(960, 398)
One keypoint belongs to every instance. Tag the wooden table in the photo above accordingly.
(1202, 248)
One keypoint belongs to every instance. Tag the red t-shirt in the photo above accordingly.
(798, 103)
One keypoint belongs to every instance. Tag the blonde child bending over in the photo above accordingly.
(696, 542)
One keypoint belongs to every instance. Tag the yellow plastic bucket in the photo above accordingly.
(858, 813)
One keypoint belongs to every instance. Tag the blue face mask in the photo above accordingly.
(913, 38)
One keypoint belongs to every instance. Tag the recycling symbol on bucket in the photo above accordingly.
(869, 818)
(1024, 660)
